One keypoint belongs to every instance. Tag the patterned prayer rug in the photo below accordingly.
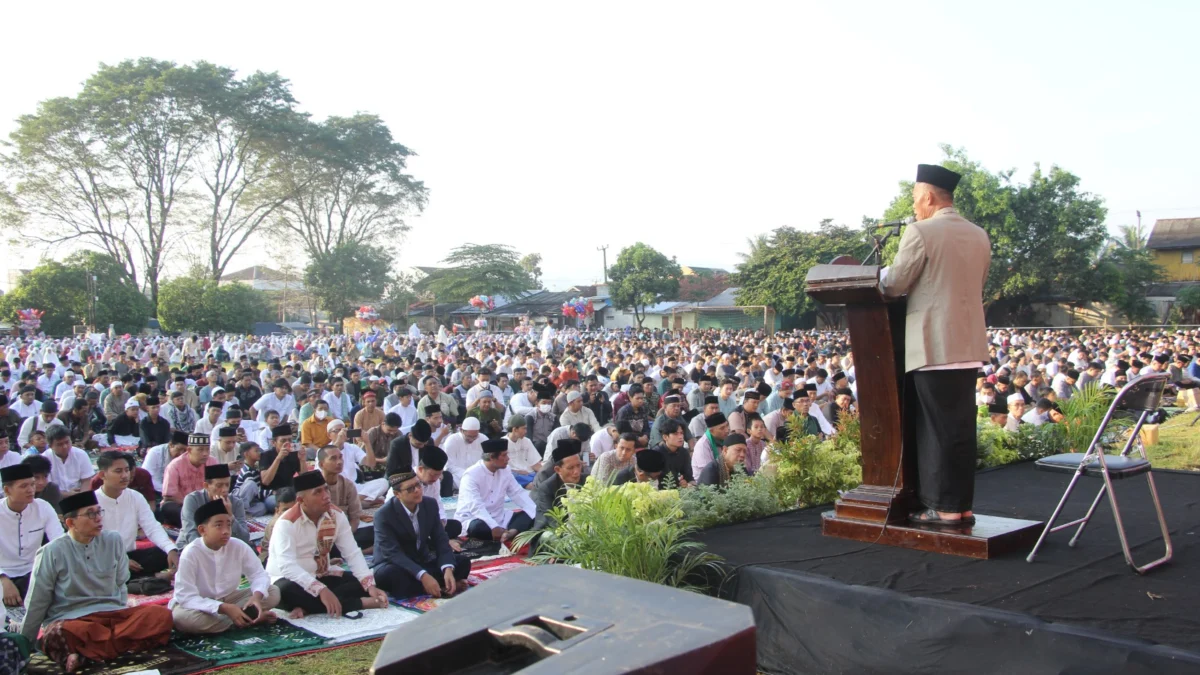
(490, 569)
(248, 644)
(132, 600)
(421, 603)
(166, 660)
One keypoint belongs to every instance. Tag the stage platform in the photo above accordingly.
(876, 609)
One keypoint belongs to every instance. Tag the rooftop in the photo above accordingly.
(1174, 233)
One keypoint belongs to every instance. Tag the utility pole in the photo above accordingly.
(604, 251)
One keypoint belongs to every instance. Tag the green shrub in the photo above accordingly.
(743, 498)
(632, 530)
(810, 471)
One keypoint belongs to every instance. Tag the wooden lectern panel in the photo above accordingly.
(878, 509)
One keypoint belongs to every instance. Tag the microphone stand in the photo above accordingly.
(876, 255)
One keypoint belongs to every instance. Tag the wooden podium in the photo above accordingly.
(888, 491)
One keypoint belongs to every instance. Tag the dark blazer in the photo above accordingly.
(546, 496)
(396, 543)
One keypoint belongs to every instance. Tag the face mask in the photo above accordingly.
(320, 414)
(544, 409)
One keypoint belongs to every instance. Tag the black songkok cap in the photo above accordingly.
(308, 481)
(734, 439)
(78, 501)
(152, 400)
(49, 406)
(430, 409)
(215, 471)
(421, 431)
(711, 399)
(565, 448)
(810, 387)
(179, 437)
(715, 419)
(752, 396)
(15, 472)
(938, 176)
(650, 461)
(495, 446)
(432, 457)
(227, 432)
(209, 509)
(281, 430)
(997, 408)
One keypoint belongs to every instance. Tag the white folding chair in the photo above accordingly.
(1141, 397)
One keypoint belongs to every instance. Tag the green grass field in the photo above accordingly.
(352, 660)
(1178, 444)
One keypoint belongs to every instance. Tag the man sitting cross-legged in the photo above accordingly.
(411, 544)
(77, 594)
(299, 556)
(127, 511)
(207, 599)
(481, 497)
(24, 520)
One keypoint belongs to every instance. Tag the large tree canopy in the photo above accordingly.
(479, 269)
(773, 272)
(641, 277)
(351, 272)
(61, 290)
(197, 303)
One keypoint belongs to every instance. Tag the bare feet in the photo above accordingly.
(74, 663)
(272, 617)
(374, 603)
(297, 613)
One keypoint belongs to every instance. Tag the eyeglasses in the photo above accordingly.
(94, 515)
(408, 490)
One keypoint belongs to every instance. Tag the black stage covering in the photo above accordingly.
(944, 613)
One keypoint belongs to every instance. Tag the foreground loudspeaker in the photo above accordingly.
(559, 619)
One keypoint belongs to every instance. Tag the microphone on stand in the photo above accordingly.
(896, 223)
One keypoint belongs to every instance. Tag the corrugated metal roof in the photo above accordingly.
(1175, 233)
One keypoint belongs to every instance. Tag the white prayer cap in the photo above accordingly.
(131, 403)
(471, 424)
(1015, 398)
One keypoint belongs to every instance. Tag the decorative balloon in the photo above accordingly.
(31, 319)
(482, 302)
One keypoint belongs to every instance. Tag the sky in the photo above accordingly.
(691, 126)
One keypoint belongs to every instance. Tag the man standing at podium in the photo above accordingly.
(942, 265)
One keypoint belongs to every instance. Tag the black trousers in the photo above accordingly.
(347, 588)
(944, 418)
(480, 530)
(152, 560)
(171, 514)
(453, 528)
(447, 484)
(400, 584)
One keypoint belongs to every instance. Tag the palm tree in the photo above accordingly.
(1133, 238)
(756, 243)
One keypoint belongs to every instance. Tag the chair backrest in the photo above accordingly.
(1143, 393)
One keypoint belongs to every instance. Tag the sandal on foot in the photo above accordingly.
(931, 517)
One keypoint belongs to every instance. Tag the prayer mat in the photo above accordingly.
(248, 644)
(13, 616)
(340, 629)
(492, 568)
(473, 549)
(166, 660)
(132, 600)
(142, 544)
(421, 603)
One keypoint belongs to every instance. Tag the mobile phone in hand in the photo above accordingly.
(354, 433)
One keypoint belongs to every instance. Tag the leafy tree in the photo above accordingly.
(350, 273)
(642, 276)
(532, 264)
(398, 294)
(478, 269)
(1132, 237)
(60, 289)
(1126, 275)
(1187, 301)
(197, 303)
(774, 271)
(345, 184)
(1046, 234)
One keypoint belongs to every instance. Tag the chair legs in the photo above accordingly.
(1107, 488)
